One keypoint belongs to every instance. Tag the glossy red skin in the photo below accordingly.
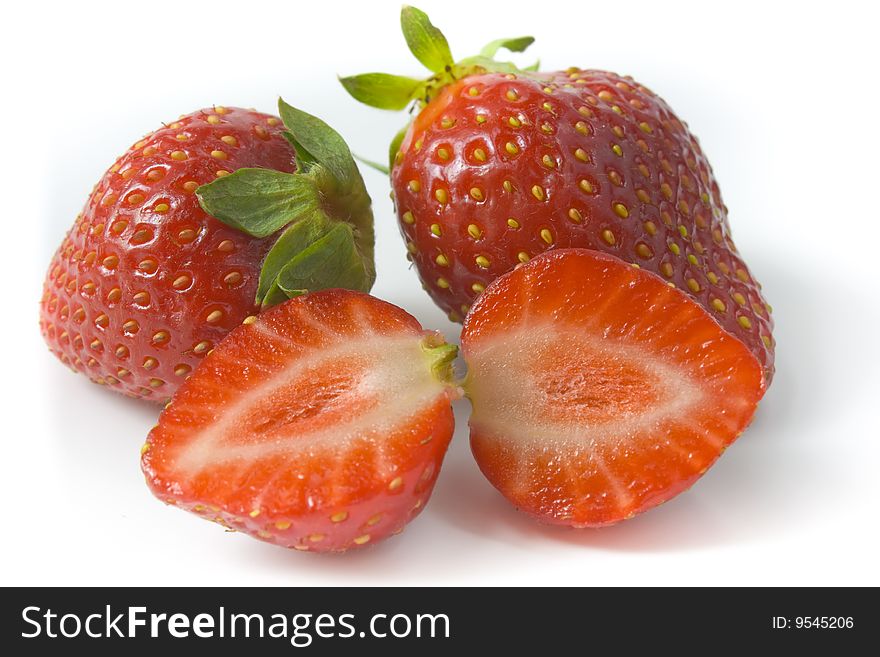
(322, 500)
(88, 300)
(661, 176)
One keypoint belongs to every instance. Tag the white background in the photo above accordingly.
(784, 98)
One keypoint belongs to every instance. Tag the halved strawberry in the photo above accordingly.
(320, 425)
(599, 390)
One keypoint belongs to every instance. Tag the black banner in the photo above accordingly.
(435, 621)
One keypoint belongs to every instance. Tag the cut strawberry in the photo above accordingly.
(320, 425)
(599, 390)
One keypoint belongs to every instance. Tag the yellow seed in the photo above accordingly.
(360, 540)
(441, 195)
(142, 298)
(742, 275)
(395, 483)
(442, 283)
(436, 230)
(507, 185)
(581, 154)
(719, 305)
(190, 186)
(538, 192)
(150, 363)
(446, 123)
(583, 110)
(582, 128)
(548, 107)
(667, 270)
(182, 370)
(156, 383)
(693, 285)
(482, 261)
(693, 259)
(418, 144)
(443, 154)
(585, 186)
(478, 287)
(114, 295)
(473, 91)
(474, 231)
(615, 178)
(739, 298)
(618, 151)
(250, 319)
(713, 277)
(646, 128)
(117, 227)
(219, 155)
(643, 196)
(522, 256)
(178, 155)
(514, 122)
(254, 513)
(477, 194)
(574, 215)
(221, 172)
(214, 316)
(744, 321)
(110, 262)
(339, 516)
(226, 246)
(513, 223)
(160, 336)
(620, 210)
(766, 340)
(135, 199)
(512, 94)
(161, 208)
(608, 236)
(214, 120)
(202, 347)
(316, 538)
(548, 162)
(408, 218)
(511, 148)
(141, 236)
(675, 248)
(479, 155)
(148, 265)
(644, 251)
(546, 128)
(229, 139)
(481, 118)
(442, 260)
(182, 137)
(666, 190)
(414, 186)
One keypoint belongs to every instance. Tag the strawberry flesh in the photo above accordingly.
(319, 425)
(598, 390)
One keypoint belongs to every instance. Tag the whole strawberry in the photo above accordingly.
(198, 225)
(501, 164)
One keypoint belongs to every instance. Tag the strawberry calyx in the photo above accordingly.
(429, 46)
(440, 356)
(322, 212)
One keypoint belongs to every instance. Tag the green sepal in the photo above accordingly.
(304, 159)
(313, 254)
(382, 90)
(258, 202)
(322, 143)
(395, 144)
(517, 44)
(381, 168)
(425, 41)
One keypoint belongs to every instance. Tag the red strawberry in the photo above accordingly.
(598, 390)
(320, 425)
(502, 164)
(147, 281)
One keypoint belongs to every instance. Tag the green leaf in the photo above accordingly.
(304, 159)
(382, 90)
(258, 201)
(425, 41)
(395, 144)
(313, 254)
(533, 67)
(321, 142)
(517, 44)
(467, 65)
(381, 168)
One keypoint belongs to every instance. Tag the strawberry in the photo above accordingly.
(320, 424)
(173, 249)
(598, 390)
(501, 164)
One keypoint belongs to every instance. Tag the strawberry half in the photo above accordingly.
(320, 424)
(198, 225)
(598, 390)
(501, 164)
